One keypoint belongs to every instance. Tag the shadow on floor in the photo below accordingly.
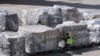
(80, 51)
(48, 3)
(76, 51)
(51, 54)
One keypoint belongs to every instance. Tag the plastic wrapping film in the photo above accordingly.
(57, 10)
(94, 29)
(54, 20)
(12, 44)
(12, 22)
(4, 46)
(37, 40)
(78, 32)
(8, 21)
(32, 18)
(54, 14)
(50, 20)
(2, 20)
(72, 15)
(90, 14)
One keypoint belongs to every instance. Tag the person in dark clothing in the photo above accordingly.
(39, 22)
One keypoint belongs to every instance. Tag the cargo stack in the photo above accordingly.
(93, 29)
(2, 20)
(78, 32)
(90, 14)
(37, 40)
(50, 19)
(34, 37)
(72, 14)
(30, 17)
(12, 44)
(12, 22)
(50, 16)
(4, 46)
(8, 21)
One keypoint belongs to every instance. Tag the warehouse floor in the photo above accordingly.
(80, 52)
(86, 4)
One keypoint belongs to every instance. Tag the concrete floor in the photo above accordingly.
(80, 52)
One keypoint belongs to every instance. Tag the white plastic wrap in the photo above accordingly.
(4, 46)
(72, 15)
(12, 44)
(94, 30)
(12, 22)
(77, 31)
(90, 14)
(30, 17)
(39, 38)
(8, 21)
(2, 21)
